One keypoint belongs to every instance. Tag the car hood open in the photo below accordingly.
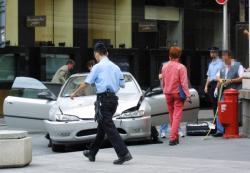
(83, 107)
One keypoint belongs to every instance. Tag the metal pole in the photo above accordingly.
(225, 27)
(2, 23)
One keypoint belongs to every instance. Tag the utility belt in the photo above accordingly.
(213, 82)
(105, 94)
(98, 114)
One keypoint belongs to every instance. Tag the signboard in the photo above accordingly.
(148, 26)
(36, 21)
(2, 23)
(221, 2)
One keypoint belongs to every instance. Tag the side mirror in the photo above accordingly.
(46, 95)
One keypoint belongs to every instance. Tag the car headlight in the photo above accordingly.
(133, 114)
(63, 118)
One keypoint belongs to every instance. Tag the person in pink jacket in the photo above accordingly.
(174, 77)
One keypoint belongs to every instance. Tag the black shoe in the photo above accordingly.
(123, 159)
(174, 142)
(217, 135)
(88, 154)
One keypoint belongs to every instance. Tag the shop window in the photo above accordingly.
(53, 63)
(7, 67)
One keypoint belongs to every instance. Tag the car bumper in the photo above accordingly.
(85, 131)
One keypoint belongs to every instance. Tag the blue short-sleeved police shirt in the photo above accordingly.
(106, 76)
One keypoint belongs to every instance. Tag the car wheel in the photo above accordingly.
(58, 148)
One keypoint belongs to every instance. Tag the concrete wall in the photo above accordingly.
(124, 23)
(63, 21)
(101, 20)
(162, 13)
(175, 31)
(12, 21)
(110, 19)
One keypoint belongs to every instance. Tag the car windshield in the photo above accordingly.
(74, 82)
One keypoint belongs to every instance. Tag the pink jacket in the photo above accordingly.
(174, 74)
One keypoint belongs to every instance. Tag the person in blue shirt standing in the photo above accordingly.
(108, 79)
(214, 67)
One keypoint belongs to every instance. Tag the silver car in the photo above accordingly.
(33, 106)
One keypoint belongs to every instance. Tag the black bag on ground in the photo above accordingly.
(197, 129)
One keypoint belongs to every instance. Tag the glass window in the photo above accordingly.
(27, 92)
(27, 88)
(130, 86)
(73, 84)
(53, 63)
(7, 67)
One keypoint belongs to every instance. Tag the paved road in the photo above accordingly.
(194, 154)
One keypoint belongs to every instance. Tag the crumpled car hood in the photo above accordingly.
(83, 107)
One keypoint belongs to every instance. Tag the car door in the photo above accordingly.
(23, 108)
(159, 112)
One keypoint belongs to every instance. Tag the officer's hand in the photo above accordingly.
(216, 92)
(189, 100)
(160, 76)
(206, 90)
(72, 96)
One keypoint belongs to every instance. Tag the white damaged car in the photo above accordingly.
(33, 106)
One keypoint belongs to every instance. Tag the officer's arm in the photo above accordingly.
(82, 86)
(88, 81)
(218, 78)
(207, 83)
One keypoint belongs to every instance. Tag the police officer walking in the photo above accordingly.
(108, 79)
(214, 67)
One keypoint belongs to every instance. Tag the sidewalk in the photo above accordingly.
(151, 159)
(194, 154)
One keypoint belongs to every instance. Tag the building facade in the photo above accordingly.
(42, 34)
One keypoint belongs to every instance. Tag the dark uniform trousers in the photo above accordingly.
(211, 88)
(106, 126)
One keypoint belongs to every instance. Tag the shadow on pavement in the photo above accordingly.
(106, 144)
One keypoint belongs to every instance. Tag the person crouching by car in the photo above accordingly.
(174, 76)
(63, 73)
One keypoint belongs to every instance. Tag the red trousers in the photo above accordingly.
(175, 108)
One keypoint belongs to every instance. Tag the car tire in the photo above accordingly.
(58, 148)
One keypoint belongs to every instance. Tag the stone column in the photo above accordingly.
(245, 96)
(2, 23)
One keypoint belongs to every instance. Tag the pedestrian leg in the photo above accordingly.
(108, 108)
(177, 115)
(98, 140)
